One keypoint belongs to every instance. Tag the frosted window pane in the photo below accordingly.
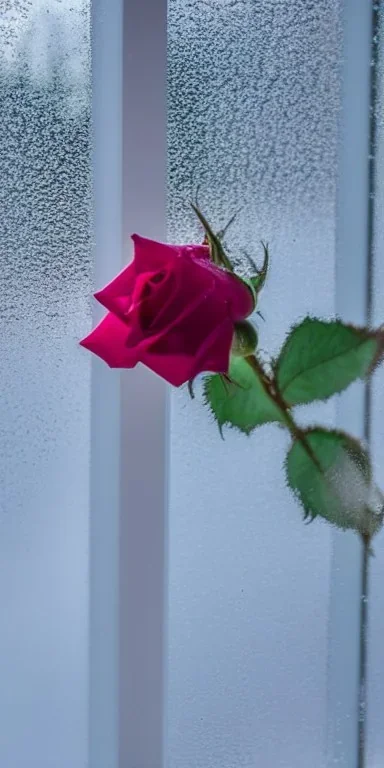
(253, 118)
(375, 643)
(45, 381)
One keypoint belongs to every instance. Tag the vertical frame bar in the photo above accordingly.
(143, 530)
(107, 49)
(129, 409)
(351, 305)
(375, 736)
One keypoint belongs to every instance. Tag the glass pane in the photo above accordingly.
(376, 597)
(45, 284)
(253, 121)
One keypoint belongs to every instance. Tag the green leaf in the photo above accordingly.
(321, 358)
(240, 400)
(331, 477)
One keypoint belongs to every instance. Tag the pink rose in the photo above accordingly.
(171, 309)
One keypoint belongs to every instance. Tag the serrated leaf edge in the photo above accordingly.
(227, 422)
(368, 334)
(308, 512)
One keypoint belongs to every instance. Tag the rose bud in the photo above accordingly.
(171, 309)
(244, 340)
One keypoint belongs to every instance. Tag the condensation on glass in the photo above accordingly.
(254, 97)
(45, 282)
(375, 694)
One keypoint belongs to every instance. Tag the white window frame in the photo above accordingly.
(352, 303)
(129, 463)
(129, 410)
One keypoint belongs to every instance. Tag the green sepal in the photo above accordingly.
(258, 280)
(248, 282)
(217, 252)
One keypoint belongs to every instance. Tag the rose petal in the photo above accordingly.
(172, 302)
(188, 348)
(192, 285)
(240, 298)
(151, 299)
(231, 288)
(151, 255)
(214, 354)
(173, 310)
(197, 251)
(178, 368)
(108, 341)
(116, 295)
